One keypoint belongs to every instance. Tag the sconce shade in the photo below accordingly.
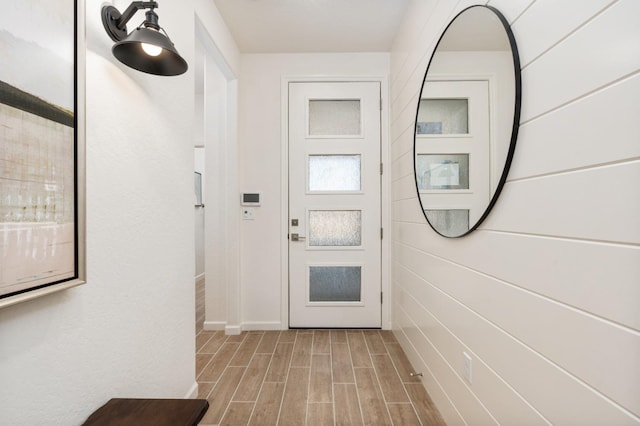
(129, 51)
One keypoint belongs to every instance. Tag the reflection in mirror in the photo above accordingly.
(467, 121)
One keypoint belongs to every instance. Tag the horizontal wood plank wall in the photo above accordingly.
(544, 296)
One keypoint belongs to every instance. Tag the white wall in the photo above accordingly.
(544, 296)
(261, 166)
(129, 332)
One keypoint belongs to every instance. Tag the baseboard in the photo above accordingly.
(232, 330)
(262, 325)
(193, 392)
(245, 326)
(214, 325)
(440, 398)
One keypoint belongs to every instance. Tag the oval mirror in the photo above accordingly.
(467, 121)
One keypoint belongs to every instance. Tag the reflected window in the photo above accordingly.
(450, 223)
(442, 171)
(443, 116)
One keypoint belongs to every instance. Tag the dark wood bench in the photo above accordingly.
(151, 412)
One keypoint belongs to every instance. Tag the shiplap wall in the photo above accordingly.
(545, 296)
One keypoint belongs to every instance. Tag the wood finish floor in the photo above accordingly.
(309, 377)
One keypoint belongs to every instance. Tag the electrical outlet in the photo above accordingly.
(467, 367)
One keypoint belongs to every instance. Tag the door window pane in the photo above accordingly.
(335, 283)
(442, 171)
(450, 223)
(334, 117)
(334, 173)
(443, 116)
(335, 228)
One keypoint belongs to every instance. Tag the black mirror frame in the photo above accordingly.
(515, 125)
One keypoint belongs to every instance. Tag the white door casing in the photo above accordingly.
(334, 204)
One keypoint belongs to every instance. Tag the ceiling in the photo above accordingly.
(312, 26)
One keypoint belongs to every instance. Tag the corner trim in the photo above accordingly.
(214, 325)
(193, 391)
(232, 330)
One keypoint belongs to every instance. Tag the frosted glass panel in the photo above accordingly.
(443, 116)
(339, 117)
(335, 227)
(334, 173)
(450, 223)
(335, 283)
(442, 171)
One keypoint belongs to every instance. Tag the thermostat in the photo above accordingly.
(250, 199)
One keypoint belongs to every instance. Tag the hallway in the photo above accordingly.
(313, 377)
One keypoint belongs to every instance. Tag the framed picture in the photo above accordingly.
(42, 246)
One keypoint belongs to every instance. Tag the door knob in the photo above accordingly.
(296, 237)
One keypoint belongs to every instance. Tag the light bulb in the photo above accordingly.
(151, 49)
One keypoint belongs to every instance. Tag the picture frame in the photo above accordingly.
(42, 149)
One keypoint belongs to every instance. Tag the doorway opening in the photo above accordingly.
(215, 159)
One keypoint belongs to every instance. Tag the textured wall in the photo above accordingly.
(544, 295)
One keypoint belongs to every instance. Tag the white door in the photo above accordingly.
(334, 205)
(453, 153)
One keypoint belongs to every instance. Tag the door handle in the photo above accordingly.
(296, 237)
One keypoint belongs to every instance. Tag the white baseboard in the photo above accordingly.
(193, 392)
(232, 330)
(262, 325)
(214, 325)
(245, 326)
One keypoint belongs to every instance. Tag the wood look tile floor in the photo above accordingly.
(309, 377)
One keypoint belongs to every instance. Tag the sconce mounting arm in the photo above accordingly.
(116, 23)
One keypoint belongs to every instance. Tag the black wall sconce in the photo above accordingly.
(148, 47)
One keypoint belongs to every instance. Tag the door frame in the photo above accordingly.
(385, 196)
